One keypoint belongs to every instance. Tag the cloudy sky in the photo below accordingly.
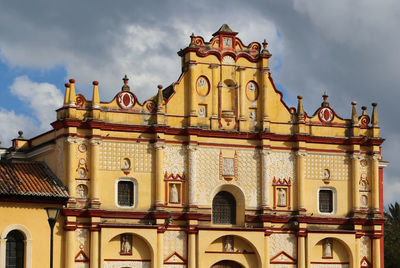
(350, 49)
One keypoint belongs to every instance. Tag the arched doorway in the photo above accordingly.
(227, 264)
(15, 249)
(224, 208)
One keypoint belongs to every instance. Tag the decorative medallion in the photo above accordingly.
(81, 191)
(228, 60)
(80, 100)
(82, 161)
(126, 100)
(202, 111)
(364, 121)
(203, 86)
(82, 148)
(325, 115)
(252, 91)
(151, 106)
(82, 173)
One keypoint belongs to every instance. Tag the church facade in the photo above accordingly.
(215, 170)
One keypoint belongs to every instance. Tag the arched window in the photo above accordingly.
(224, 208)
(15, 250)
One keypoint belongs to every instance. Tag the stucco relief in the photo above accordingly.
(249, 175)
(326, 265)
(174, 265)
(174, 160)
(174, 241)
(124, 264)
(281, 165)
(207, 175)
(365, 247)
(283, 242)
(82, 236)
(337, 164)
(283, 265)
(112, 153)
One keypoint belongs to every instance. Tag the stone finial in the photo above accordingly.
(364, 110)
(354, 116)
(374, 115)
(95, 96)
(265, 51)
(66, 96)
(160, 98)
(72, 94)
(20, 134)
(125, 87)
(300, 109)
(325, 103)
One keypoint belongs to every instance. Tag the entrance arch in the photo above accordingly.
(227, 264)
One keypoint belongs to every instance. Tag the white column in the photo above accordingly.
(192, 174)
(265, 202)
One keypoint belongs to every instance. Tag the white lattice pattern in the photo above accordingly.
(365, 247)
(327, 265)
(175, 160)
(124, 264)
(283, 265)
(281, 165)
(207, 174)
(249, 175)
(338, 166)
(174, 241)
(283, 242)
(111, 154)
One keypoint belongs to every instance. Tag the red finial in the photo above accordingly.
(95, 83)
(67, 85)
(72, 80)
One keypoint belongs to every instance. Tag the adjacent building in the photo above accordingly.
(215, 170)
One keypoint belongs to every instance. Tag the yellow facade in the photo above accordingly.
(221, 128)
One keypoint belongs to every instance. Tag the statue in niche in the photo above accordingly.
(126, 244)
(363, 186)
(81, 191)
(126, 164)
(228, 243)
(174, 195)
(327, 174)
(282, 197)
(364, 201)
(327, 247)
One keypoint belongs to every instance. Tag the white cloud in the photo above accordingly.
(42, 98)
(11, 123)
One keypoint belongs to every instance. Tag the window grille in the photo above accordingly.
(125, 193)
(224, 208)
(325, 201)
(15, 250)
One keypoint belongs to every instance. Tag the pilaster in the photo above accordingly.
(243, 123)
(265, 202)
(214, 92)
(192, 94)
(355, 177)
(71, 164)
(300, 180)
(159, 172)
(94, 171)
(192, 175)
(375, 182)
(94, 243)
(265, 82)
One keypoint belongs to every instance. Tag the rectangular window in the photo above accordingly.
(125, 193)
(325, 201)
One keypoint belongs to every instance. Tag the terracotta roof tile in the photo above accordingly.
(30, 179)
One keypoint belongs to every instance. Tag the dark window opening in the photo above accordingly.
(15, 250)
(325, 201)
(224, 208)
(125, 193)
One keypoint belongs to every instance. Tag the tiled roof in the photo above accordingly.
(30, 180)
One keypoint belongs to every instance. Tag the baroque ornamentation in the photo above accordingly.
(337, 164)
